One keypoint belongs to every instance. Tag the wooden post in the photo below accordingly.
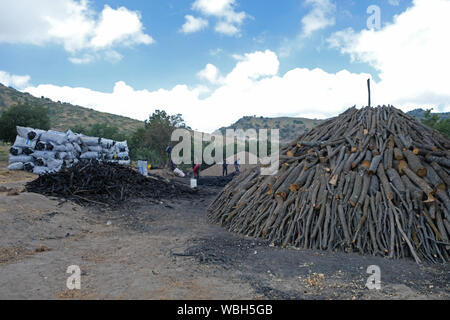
(368, 87)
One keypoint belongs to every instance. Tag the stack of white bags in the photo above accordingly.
(40, 151)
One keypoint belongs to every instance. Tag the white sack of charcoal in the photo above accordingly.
(16, 151)
(90, 141)
(40, 170)
(97, 149)
(44, 154)
(54, 165)
(61, 155)
(22, 142)
(73, 137)
(29, 166)
(57, 147)
(55, 137)
(20, 158)
(16, 166)
(29, 133)
(107, 143)
(121, 147)
(90, 155)
(76, 147)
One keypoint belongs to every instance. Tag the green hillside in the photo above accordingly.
(290, 128)
(64, 115)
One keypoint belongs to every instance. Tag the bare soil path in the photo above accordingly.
(171, 251)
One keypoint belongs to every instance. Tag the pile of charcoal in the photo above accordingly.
(211, 181)
(111, 184)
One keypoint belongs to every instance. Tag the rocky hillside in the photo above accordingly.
(64, 115)
(420, 114)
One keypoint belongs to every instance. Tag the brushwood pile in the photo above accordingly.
(90, 182)
(40, 151)
(372, 180)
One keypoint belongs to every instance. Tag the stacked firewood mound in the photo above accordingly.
(41, 151)
(373, 180)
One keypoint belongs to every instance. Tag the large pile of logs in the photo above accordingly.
(372, 180)
(94, 183)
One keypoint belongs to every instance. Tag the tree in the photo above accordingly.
(150, 143)
(434, 121)
(24, 115)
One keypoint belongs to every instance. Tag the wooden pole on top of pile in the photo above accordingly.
(368, 87)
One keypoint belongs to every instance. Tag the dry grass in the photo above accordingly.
(4, 152)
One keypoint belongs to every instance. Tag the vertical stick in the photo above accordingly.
(368, 87)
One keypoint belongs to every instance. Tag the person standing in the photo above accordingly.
(169, 155)
(236, 166)
(196, 171)
(224, 168)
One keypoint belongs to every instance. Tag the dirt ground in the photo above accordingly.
(171, 251)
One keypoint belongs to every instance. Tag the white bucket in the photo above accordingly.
(193, 183)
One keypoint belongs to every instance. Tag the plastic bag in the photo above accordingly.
(142, 167)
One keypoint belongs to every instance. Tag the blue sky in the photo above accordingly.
(275, 38)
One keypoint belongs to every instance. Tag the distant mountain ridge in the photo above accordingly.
(65, 115)
(290, 128)
(420, 114)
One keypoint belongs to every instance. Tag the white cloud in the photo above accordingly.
(394, 2)
(73, 24)
(229, 20)
(84, 59)
(254, 86)
(11, 80)
(193, 24)
(411, 54)
(320, 17)
(119, 26)
(211, 74)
